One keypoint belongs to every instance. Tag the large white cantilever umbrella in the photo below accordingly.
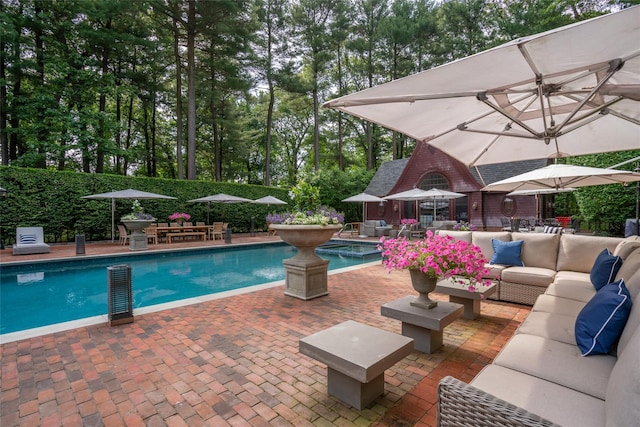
(219, 198)
(124, 194)
(558, 176)
(570, 91)
(364, 198)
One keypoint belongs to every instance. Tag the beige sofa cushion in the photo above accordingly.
(539, 249)
(623, 392)
(629, 266)
(557, 362)
(633, 322)
(556, 403)
(458, 235)
(483, 240)
(572, 285)
(627, 246)
(554, 326)
(551, 304)
(534, 276)
(578, 253)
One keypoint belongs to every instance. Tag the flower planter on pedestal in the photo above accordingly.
(306, 273)
(423, 284)
(137, 238)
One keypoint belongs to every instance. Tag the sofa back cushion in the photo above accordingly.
(483, 240)
(633, 322)
(630, 266)
(623, 394)
(578, 253)
(29, 235)
(628, 245)
(539, 249)
(458, 235)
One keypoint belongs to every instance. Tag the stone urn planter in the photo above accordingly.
(306, 273)
(423, 284)
(137, 238)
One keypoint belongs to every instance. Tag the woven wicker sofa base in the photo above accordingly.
(463, 405)
(521, 294)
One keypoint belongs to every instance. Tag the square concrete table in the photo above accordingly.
(425, 326)
(460, 294)
(356, 356)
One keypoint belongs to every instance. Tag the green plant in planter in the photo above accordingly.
(137, 213)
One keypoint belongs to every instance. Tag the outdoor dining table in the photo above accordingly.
(185, 229)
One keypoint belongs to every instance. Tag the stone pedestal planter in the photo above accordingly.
(137, 238)
(306, 273)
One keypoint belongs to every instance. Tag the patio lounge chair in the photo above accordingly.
(30, 240)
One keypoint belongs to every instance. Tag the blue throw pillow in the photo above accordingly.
(600, 322)
(507, 253)
(605, 268)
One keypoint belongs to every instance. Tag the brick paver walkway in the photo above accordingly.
(235, 362)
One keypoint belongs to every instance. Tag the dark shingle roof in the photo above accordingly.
(496, 172)
(386, 177)
(389, 172)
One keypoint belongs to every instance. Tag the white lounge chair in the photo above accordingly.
(30, 240)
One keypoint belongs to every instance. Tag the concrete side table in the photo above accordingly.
(460, 294)
(425, 326)
(356, 356)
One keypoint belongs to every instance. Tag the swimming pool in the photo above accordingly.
(359, 249)
(39, 294)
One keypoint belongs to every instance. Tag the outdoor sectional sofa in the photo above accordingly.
(541, 376)
(543, 255)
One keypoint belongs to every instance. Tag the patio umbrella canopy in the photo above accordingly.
(219, 198)
(537, 194)
(557, 176)
(269, 200)
(129, 194)
(417, 194)
(566, 92)
(364, 198)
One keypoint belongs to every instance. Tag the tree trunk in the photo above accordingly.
(176, 53)
(191, 92)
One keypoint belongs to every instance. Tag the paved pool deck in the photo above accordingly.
(234, 361)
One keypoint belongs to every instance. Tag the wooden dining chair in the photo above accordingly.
(200, 223)
(216, 231)
(163, 224)
(152, 233)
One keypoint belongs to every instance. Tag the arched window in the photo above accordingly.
(434, 180)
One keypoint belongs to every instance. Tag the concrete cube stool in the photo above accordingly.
(356, 356)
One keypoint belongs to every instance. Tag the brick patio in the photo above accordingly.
(235, 362)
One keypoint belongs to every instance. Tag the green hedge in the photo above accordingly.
(53, 200)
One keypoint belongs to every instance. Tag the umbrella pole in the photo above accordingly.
(113, 220)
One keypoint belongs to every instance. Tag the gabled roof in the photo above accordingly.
(389, 172)
(386, 177)
(499, 171)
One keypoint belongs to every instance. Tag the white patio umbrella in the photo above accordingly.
(269, 200)
(219, 198)
(537, 194)
(364, 198)
(129, 194)
(417, 194)
(558, 176)
(570, 91)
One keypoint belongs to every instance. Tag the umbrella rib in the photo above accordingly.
(614, 66)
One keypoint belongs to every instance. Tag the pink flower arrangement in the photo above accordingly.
(179, 215)
(408, 221)
(439, 257)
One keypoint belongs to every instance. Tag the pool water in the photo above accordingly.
(361, 250)
(35, 295)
